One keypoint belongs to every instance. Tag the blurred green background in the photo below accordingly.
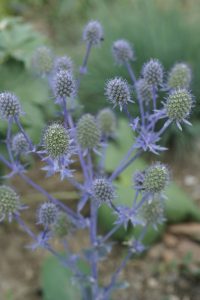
(167, 30)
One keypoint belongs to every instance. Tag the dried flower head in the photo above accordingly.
(9, 105)
(88, 132)
(179, 76)
(19, 144)
(93, 33)
(63, 63)
(107, 122)
(47, 214)
(153, 72)
(64, 84)
(156, 177)
(43, 60)
(179, 104)
(117, 92)
(103, 190)
(9, 202)
(122, 51)
(56, 140)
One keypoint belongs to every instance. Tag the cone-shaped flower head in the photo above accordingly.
(179, 76)
(122, 51)
(19, 144)
(144, 90)
(63, 63)
(56, 140)
(9, 105)
(107, 122)
(93, 33)
(156, 177)
(179, 104)
(117, 92)
(47, 214)
(62, 226)
(9, 202)
(153, 72)
(88, 132)
(103, 190)
(152, 213)
(43, 60)
(64, 84)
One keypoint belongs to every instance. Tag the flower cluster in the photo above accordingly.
(84, 139)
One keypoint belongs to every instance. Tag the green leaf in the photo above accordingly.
(56, 282)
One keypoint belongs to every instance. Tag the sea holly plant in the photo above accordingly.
(85, 141)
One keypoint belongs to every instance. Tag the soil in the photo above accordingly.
(165, 272)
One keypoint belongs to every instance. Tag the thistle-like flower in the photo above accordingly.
(156, 177)
(63, 63)
(56, 140)
(122, 51)
(152, 213)
(9, 105)
(43, 60)
(144, 90)
(19, 144)
(107, 122)
(9, 203)
(64, 84)
(47, 214)
(88, 132)
(103, 191)
(178, 106)
(118, 92)
(62, 226)
(153, 72)
(93, 33)
(180, 76)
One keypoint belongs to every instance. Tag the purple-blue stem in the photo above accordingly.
(34, 237)
(123, 167)
(70, 121)
(83, 67)
(134, 81)
(93, 230)
(8, 141)
(110, 233)
(116, 274)
(17, 121)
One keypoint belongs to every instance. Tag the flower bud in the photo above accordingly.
(117, 92)
(43, 60)
(56, 140)
(64, 85)
(179, 104)
(144, 90)
(103, 190)
(179, 76)
(47, 214)
(63, 63)
(88, 133)
(153, 72)
(107, 122)
(93, 33)
(19, 144)
(62, 226)
(152, 212)
(9, 202)
(122, 51)
(156, 177)
(9, 105)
